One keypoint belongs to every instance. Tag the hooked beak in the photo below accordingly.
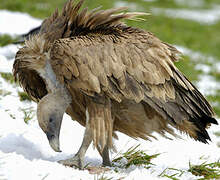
(54, 141)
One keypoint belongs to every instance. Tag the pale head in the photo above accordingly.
(50, 112)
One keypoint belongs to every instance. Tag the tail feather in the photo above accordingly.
(189, 112)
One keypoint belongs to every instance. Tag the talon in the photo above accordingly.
(72, 162)
(106, 163)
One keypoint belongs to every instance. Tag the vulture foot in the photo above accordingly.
(106, 162)
(78, 159)
(75, 161)
(105, 157)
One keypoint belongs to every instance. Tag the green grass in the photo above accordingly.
(187, 33)
(187, 66)
(173, 4)
(215, 99)
(217, 134)
(175, 174)
(4, 92)
(176, 31)
(23, 96)
(8, 77)
(207, 170)
(10, 114)
(134, 156)
(28, 114)
(35, 7)
(6, 39)
(42, 9)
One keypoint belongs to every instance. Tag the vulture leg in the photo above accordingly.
(105, 157)
(101, 123)
(99, 126)
(78, 159)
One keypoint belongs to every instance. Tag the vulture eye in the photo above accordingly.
(51, 120)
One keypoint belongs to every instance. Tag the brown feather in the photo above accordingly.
(125, 76)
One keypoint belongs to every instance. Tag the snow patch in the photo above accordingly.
(203, 16)
(207, 84)
(197, 56)
(190, 3)
(16, 23)
(9, 51)
(6, 66)
(7, 54)
(132, 6)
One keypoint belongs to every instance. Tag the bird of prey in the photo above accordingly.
(109, 77)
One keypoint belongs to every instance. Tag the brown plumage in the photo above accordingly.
(109, 77)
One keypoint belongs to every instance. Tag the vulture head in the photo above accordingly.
(50, 112)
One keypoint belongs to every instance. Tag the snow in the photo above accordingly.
(203, 16)
(15, 23)
(190, 3)
(26, 154)
(212, 87)
(131, 5)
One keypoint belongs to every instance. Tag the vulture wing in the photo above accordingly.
(130, 67)
(30, 80)
(136, 66)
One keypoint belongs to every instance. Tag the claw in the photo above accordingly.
(75, 161)
(105, 157)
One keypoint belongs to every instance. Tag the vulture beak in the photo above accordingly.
(53, 131)
(54, 142)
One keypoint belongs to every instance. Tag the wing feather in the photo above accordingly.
(136, 66)
(29, 79)
(97, 64)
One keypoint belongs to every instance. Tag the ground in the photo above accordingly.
(191, 26)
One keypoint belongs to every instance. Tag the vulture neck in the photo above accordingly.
(49, 76)
(57, 92)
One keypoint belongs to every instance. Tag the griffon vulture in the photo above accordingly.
(109, 77)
